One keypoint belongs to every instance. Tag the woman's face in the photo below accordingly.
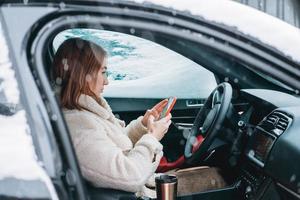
(98, 86)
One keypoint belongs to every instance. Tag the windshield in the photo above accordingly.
(149, 69)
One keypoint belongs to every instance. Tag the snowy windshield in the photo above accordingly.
(139, 68)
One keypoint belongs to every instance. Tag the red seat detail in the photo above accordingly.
(164, 165)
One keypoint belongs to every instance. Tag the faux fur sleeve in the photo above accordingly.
(135, 130)
(106, 165)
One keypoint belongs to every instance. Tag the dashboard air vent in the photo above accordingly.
(282, 123)
(278, 121)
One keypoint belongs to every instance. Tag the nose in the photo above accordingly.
(106, 82)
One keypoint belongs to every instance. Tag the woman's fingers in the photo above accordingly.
(146, 117)
(167, 124)
(156, 110)
(160, 106)
(158, 128)
(155, 114)
(168, 117)
(151, 118)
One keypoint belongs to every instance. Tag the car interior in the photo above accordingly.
(250, 122)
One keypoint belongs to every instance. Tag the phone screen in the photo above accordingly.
(167, 109)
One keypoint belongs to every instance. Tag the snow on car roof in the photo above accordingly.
(18, 157)
(266, 28)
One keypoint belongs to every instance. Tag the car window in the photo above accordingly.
(139, 68)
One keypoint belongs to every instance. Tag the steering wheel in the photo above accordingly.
(208, 123)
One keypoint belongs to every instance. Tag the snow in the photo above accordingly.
(18, 158)
(163, 85)
(17, 155)
(266, 28)
(8, 85)
(139, 68)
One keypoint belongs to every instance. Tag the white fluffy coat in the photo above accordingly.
(111, 155)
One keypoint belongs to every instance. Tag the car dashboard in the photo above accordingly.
(271, 154)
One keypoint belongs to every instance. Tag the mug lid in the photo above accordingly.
(165, 178)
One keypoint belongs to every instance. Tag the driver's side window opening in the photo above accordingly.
(140, 72)
(139, 68)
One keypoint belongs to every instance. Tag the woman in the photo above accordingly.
(110, 154)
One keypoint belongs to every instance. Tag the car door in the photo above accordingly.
(27, 153)
(189, 43)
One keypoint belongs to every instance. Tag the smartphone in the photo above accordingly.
(167, 109)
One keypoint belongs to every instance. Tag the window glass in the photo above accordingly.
(139, 68)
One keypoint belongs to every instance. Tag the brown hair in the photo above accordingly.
(76, 62)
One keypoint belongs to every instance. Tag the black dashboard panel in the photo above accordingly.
(278, 99)
(273, 148)
(284, 161)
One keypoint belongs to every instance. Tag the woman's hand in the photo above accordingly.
(158, 128)
(155, 111)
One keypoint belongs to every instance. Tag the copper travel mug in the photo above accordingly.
(166, 187)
